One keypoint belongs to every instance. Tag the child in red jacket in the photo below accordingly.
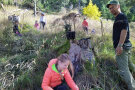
(85, 25)
(56, 72)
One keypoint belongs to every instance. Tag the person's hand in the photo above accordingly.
(119, 50)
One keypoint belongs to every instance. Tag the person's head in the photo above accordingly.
(114, 7)
(84, 18)
(42, 14)
(63, 63)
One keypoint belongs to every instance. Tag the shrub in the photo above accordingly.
(92, 11)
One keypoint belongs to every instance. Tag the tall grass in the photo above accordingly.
(24, 59)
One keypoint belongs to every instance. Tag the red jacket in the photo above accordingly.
(85, 23)
(52, 78)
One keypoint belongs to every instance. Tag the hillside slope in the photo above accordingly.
(24, 59)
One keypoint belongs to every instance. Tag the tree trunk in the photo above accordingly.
(102, 29)
(3, 7)
(35, 6)
(79, 6)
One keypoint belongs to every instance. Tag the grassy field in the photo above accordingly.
(24, 59)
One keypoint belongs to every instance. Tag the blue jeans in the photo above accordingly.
(42, 25)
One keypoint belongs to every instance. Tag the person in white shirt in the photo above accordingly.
(42, 21)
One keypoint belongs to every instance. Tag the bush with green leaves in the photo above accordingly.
(7, 2)
(22, 66)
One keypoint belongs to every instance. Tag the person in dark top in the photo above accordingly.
(120, 23)
(122, 44)
(16, 29)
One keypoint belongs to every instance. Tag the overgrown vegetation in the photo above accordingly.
(127, 7)
(24, 56)
(92, 11)
(24, 59)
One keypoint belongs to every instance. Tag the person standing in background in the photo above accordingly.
(42, 21)
(36, 25)
(85, 25)
(16, 29)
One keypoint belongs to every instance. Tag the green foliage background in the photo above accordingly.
(28, 56)
(127, 7)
